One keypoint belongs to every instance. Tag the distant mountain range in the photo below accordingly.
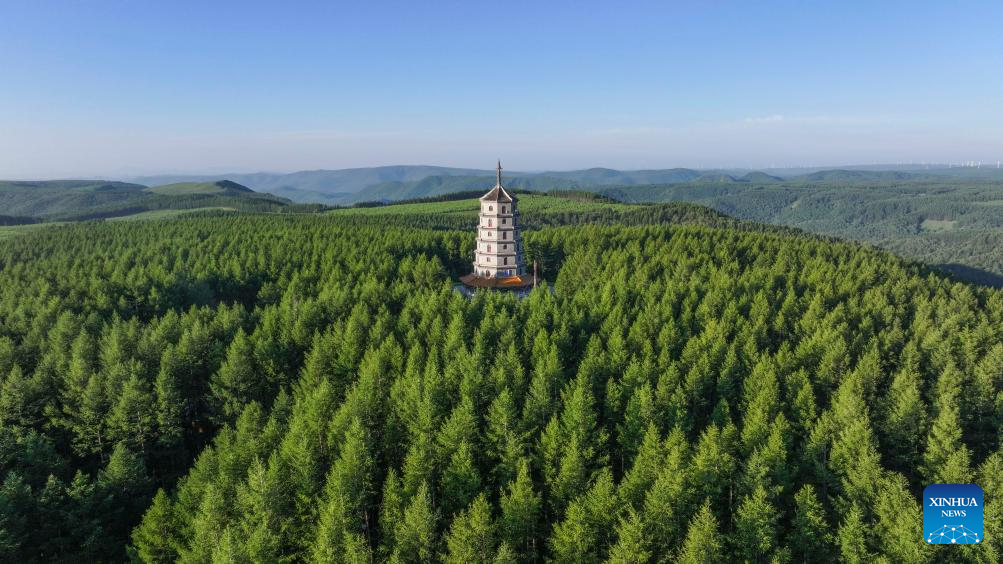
(21, 201)
(391, 183)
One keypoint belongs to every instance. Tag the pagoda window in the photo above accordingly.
(506, 260)
(505, 235)
(489, 223)
(489, 248)
(503, 209)
(504, 221)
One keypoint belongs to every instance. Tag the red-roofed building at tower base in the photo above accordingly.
(499, 261)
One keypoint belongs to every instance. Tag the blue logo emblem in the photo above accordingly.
(952, 514)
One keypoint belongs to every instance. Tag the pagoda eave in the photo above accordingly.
(501, 282)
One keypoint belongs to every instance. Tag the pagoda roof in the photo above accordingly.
(498, 193)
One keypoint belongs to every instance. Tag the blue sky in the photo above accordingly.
(123, 87)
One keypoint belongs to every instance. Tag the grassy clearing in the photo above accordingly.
(182, 188)
(166, 214)
(938, 225)
(10, 231)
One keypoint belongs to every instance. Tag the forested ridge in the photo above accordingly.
(237, 387)
(81, 200)
(954, 223)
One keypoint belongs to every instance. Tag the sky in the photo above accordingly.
(121, 88)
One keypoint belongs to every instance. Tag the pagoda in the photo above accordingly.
(498, 261)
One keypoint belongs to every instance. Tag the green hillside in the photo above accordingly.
(186, 188)
(45, 198)
(268, 388)
(910, 216)
(440, 185)
(541, 210)
(86, 200)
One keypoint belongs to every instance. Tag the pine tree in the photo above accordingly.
(15, 517)
(350, 478)
(767, 465)
(632, 545)
(571, 477)
(504, 441)
(505, 555)
(804, 408)
(126, 487)
(231, 548)
(573, 539)
(755, 527)
(662, 516)
(644, 469)
(237, 382)
(854, 538)
(414, 537)
(713, 466)
(810, 535)
(990, 477)
(854, 457)
(585, 533)
(946, 458)
(391, 511)
(761, 398)
(156, 538)
(898, 518)
(520, 507)
(637, 417)
(17, 396)
(471, 537)
(170, 403)
(460, 480)
(984, 413)
(333, 530)
(206, 527)
(905, 420)
(260, 503)
(461, 426)
(356, 550)
(703, 539)
(132, 419)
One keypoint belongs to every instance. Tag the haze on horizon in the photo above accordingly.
(116, 88)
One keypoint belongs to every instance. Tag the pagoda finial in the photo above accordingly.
(499, 172)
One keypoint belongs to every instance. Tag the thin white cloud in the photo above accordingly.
(776, 118)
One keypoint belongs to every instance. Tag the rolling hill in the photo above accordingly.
(185, 188)
(951, 222)
(44, 198)
(74, 200)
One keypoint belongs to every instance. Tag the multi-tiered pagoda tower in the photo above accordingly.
(498, 261)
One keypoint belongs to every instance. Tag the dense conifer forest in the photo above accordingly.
(230, 387)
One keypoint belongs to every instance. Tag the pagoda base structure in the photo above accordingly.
(497, 283)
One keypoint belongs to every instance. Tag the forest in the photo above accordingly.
(952, 222)
(683, 387)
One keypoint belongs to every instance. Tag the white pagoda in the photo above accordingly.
(498, 260)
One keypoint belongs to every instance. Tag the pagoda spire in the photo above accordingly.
(499, 173)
